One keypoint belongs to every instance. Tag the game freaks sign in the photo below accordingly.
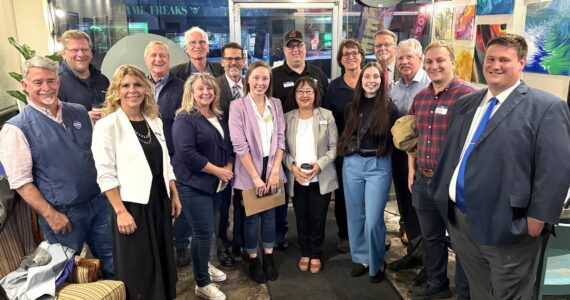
(163, 10)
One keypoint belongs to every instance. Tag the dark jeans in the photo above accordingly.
(201, 217)
(224, 212)
(311, 214)
(281, 224)
(339, 202)
(239, 220)
(251, 229)
(182, 230)
(91, 223)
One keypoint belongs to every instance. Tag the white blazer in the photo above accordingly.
(120, 160)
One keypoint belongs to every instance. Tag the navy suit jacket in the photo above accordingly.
(169, 101)
(519, 167)
(225, 93)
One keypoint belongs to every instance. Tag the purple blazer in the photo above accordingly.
(246, 138)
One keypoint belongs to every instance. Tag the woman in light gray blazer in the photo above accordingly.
(311, 138)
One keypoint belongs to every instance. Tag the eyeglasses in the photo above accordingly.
(236, 59)
(349, 54)
(75, 51)
(293, 46)
(308, 92)
(387, 45)
(195, 43)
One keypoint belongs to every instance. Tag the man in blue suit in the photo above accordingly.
(503, 174)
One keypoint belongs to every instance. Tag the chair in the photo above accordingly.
(555, 279)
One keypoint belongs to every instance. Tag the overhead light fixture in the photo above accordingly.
(378, 3)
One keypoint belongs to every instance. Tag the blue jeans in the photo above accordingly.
(367, 183)
(267, 229)
(182, 230)
(201, 217)
(225, 200)
(91, 223)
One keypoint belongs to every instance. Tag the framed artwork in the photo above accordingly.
(495, 7)
(464, 22)
(546, 32)
(484, 34)
(443, 24)
(464, 62)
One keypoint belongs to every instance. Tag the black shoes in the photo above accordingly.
(269, 267)
(183, 257)
(429, 291)
(256, 270)
(238, 253)
(225, 257)
(379, 277)
(420, 278)
(358, 270)
(281, 245)
(405, 262)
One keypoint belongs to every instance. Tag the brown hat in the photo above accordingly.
(293, 35)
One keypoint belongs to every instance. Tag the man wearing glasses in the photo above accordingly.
(385, 50)
(81, 82)
(284, 78)
(196, 45)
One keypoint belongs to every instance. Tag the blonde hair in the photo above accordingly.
(188, 103)
(74, 34)
(441, 44)
(113, 99)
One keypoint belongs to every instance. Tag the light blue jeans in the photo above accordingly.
(367, 183)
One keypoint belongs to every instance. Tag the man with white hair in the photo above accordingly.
(413, 79)
(196, 45)
(46, 152)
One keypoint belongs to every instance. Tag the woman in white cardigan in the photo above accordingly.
(134, 172)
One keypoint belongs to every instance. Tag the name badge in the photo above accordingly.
(323, 122)
(288, 84)
(441, 110)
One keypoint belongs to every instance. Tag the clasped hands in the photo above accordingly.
(304, 177)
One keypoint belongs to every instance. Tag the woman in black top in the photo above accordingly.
(366, 144)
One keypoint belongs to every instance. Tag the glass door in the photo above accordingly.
(261, 26)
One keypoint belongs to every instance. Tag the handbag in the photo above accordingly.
(354, 143)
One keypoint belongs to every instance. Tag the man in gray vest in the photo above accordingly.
(46, 152)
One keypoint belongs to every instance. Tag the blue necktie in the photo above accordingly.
(459, 194)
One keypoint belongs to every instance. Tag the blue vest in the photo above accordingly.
(63, 167)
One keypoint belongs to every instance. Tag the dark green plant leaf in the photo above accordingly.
(18, 95)
(56, 56)
(16, 76)
(24, 49)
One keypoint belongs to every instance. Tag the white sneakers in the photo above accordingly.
(216, 275)
(210, 292)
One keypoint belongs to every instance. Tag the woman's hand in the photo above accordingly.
(126, 223)
(224, 174)
(316, 170)
(273, 182)
(175, 206)
(260, 189)
(300, 177)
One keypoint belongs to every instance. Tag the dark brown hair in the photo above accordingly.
(349, 43)
(380, 126)
(512, 41)
(310, 82)
(232, 45)
(259, 64)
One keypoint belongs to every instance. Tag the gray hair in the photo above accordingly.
(192, 30)
(154, 43)
(388, 33)
(413, 45)
(39, 62)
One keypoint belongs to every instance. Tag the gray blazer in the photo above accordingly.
(326, 136)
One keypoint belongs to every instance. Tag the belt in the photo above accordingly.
(427, 173)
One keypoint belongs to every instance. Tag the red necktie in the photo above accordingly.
(386, 83)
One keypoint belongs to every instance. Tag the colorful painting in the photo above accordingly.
(464, 62)
(484, 34)
(443, 25)
(546, 32)
(464, 22)
(495, 7)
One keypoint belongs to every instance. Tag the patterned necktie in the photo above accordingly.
(386, 81)
(460, 187)
(235, 92)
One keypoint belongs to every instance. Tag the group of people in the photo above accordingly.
(171, 150)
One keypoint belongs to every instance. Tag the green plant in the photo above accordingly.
(27, 53)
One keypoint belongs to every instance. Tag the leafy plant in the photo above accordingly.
(27, 53)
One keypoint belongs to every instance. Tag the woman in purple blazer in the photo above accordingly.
(257, 131)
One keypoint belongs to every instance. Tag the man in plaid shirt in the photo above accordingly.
(431, 107)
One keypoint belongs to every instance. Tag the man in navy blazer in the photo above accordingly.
(501, 183)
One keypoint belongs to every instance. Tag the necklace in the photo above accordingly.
(145, 138)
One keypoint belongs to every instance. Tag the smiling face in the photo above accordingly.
(203, 93)
(197, 46)
(305, 96)
(157, 61)
(502, 67)
(438, 65)
(351, 58)
(371, 80)
(77, 55)
(408, 63)
(131, 93)
(384, 48)
(259, 81)
(233, 62)
(295, 53)
(42, 86)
